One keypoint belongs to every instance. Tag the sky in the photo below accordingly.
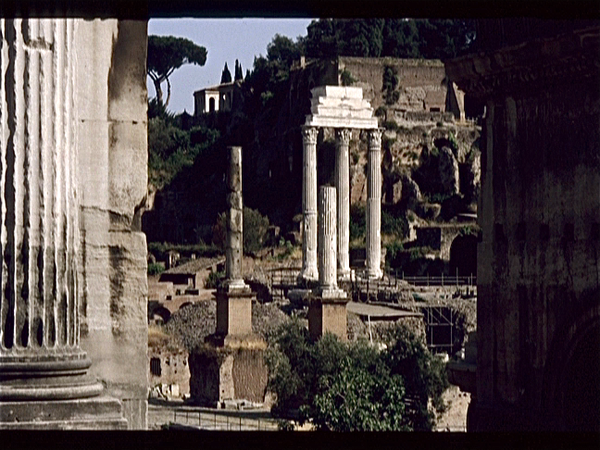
(225, 41)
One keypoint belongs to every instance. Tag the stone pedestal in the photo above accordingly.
(43, 370)
(374, 205)
(328, 315)
(309, 206)
(230, 366)
(342, 185)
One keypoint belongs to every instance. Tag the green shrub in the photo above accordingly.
(347, 78)
(381, 111)
(390, 224)
(155, 268)
(341, 386)
(391, 125)
(214, 280)
(255, 227)
(358, 227)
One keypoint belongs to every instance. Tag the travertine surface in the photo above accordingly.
(112, 124)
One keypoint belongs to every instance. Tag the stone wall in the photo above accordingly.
(538, 308)
(112, 136)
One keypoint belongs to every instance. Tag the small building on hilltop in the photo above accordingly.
(215, 98)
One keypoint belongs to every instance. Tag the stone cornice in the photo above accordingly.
(532, 65)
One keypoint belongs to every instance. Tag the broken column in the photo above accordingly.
(44, 381)
(374, 205)
(327, 308)
(230, 367)
(342, 184)
(309, 206)
(234, 299)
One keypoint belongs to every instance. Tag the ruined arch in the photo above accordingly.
(161, 312)
(572, 390)
(463, 255)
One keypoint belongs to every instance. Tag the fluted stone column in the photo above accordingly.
(374, 205)
(327, 307)
(235, 221)
(39, 335)
(327, 239)
(309, 206)
(342, 184)
(43, 370)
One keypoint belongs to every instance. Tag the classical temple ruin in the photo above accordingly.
(344, 109)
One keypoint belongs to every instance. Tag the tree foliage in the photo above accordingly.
(342, 386)
(239, 74)
(225, 75)
(168, 53)
(399, 38)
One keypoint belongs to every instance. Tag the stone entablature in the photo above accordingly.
(340, 107)
(557, 61)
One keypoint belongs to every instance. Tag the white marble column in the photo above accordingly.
(342, 184)
(235, 221)
(309, 206)
(374, 204)
(40, 355)
(327, 238)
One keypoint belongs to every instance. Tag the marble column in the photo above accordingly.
(342, 184)
(374, 204)
(40, 355)
(309, 206)
(235, 221)
(327, 239)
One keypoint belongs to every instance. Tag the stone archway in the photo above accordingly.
(463, 255)
(572, 393)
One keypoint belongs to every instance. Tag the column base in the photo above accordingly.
(374, 274)
(98, 413)
(328, 315)
(228, 368)
(234, 311)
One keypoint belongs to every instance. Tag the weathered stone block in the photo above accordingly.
(235, 371)
(234, 312)
(327, 316)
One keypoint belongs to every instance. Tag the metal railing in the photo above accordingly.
(222, 420)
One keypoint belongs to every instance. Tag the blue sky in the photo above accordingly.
(225, 40)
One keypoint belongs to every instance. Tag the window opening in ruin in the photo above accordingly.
(155, 367)
(211, 105)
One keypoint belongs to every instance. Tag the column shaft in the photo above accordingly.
(39, 328)
(327, 238)
(309, 205)
(374, 205)
(342, 184)
(235, 220)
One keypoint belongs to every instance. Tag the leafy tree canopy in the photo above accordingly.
(168, 53)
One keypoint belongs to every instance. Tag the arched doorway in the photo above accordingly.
(463, 255)
(211, 105)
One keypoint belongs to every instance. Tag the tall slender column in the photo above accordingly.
(309, 205)
(342, 184)
(374, 204)
(327, 238)
(235, 221)
(40, 356)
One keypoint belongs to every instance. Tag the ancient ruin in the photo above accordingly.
(231, 366)
(73, 330)
(538, 311)
(327, 305)
(341, 108)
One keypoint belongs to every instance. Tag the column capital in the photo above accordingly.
(309, 134)
(375, 138)
(343, 135)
